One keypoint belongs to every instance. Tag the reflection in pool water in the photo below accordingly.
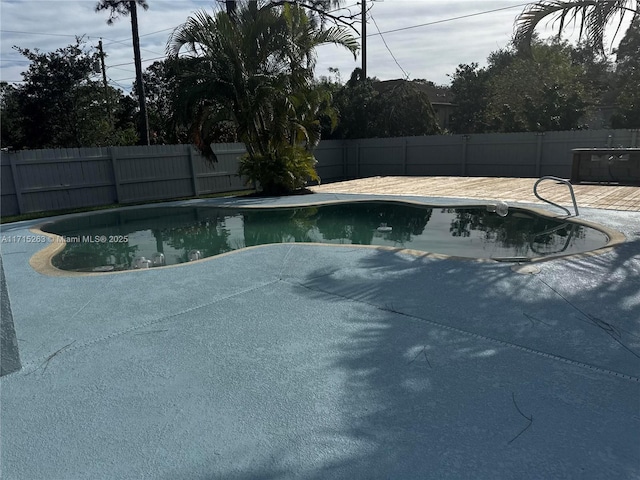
(150, 237)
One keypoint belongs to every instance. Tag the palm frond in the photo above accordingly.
(338, 36)
(592, 17)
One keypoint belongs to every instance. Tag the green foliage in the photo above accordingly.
(281, 172)
(255, 69)
(470, 91)
(118, 8)
(598, 70)
(370, 109)
(58, 105)
(405, 110)
(628, 78)
(357, 107)
(592, 17)
(545, 93)
(554, 89)
(11, 133)
(328, 113)
(162, 84)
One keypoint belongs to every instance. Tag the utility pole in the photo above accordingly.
(363, 36)
(144, 120)
(104, 81)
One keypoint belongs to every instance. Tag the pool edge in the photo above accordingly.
(41, 261)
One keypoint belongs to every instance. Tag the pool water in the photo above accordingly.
(157, 236)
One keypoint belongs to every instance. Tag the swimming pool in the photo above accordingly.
(146, 237)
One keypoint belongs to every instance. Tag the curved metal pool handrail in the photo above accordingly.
(561, 180)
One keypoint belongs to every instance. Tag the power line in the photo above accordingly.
(449, 19)
(88, 37)
(342, 8)
(121, 69)
(406, 75)
(140, 36)
(115, 82)
(39, 33)
(124, 42)
(131, 63)
(380, 33)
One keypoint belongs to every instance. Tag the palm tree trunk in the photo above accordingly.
(143, 124)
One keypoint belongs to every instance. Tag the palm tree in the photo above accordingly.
(320, 7)
(256, 69)
(593, 16)
(129, 7)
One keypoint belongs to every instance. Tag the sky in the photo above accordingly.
(424, 39)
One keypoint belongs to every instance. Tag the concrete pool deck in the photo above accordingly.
(302, 361)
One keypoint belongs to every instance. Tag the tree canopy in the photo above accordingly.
(628, 79)
(548, 93)
(559, 87)
(368, 108)
(59, 105)
(119, 8)
(256, 69)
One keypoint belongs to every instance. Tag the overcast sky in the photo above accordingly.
(429, 38)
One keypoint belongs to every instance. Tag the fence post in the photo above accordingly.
(114, 166)
(344, 160)
(357, 158)
(539, 143)
(634, 139)
(16, 183)
(609, 140)
(465, 141)
(194, 177)
(404, 157)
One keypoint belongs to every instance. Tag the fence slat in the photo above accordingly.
(45, 180)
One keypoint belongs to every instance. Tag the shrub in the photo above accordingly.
(280, 172)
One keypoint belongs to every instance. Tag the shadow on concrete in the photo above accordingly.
(446, 378)
(611, 279)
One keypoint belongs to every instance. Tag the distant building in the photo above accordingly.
(441, 98)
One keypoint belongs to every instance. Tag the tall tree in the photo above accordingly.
(11, 130)
(357, 107)
(628, 76)
(58, 104)
(257, 71)
(369, 108)
(116, 9)
(593, 17)
(469, 86)
(559, 87)
(545, 93)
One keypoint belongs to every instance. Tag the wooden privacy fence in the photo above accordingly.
(49, 180)
(522, 155)
(57, 179)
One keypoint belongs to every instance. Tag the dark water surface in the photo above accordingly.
(148, 237)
